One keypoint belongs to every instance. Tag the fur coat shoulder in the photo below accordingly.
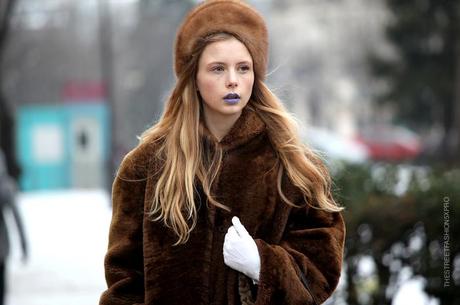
(300, 248)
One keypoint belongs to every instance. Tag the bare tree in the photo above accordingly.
(6, 117)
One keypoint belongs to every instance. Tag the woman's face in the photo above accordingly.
(225, 78)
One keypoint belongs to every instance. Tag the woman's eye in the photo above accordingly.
(245, 68)
(217, 69)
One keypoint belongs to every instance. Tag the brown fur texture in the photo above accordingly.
(245, 291)
(230, 16)
(142, 266)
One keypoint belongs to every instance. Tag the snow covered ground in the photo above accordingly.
(67, 234)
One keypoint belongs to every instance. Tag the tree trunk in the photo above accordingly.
(456, 120)
(450, 146)
(352, 296)
(7, 131)
(106, 58)
(7, 142)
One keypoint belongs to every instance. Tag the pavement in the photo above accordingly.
(67, 233)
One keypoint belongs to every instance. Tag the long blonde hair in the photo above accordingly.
(188, 157)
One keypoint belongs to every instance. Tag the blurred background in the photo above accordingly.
(375, 85)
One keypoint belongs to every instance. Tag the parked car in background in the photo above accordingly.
(334, 146)
(390, 143)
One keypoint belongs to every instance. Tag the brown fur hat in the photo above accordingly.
(230, 16)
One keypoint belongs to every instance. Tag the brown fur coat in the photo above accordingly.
(300, 248)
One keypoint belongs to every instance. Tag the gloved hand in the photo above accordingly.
(240, 250)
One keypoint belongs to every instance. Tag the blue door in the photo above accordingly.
(42, 148)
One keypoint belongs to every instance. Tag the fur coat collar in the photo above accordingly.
(246, 127)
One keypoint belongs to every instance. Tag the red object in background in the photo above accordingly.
(390, 143)
(83, 91)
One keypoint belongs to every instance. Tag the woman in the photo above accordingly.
(220, 203)
(8, 206)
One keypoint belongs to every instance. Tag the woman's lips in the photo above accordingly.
(232, 101)
(232, 98)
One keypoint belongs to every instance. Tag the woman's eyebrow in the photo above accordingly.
(223, 63)
(216, 63)
(245, 62)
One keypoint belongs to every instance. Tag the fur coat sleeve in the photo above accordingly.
(304, 267)
(124, 258)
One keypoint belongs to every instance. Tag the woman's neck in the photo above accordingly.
(218, 124)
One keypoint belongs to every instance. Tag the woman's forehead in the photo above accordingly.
(228, 50)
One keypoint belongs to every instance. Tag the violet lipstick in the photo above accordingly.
(232, 98)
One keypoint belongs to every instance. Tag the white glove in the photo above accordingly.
(240, 251)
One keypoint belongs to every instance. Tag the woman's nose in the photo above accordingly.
(232, 85)
(232, 81)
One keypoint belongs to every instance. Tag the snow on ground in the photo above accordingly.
(67, 233)
(411, 290)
